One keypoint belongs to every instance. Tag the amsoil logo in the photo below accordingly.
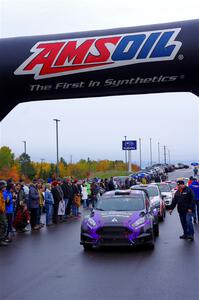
(63, 57)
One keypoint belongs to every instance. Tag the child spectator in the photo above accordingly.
(22, 218)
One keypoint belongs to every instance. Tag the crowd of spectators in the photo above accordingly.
(25, 207)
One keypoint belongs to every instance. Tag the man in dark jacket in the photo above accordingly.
(68, 195)
(184, 200)
(34, 205)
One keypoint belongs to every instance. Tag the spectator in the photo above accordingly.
(157, 178)
(190, 180)
(85, 196)
(8, 197)
(41, 189)
(195, 171)
(34, 205)
(3, 220)
(94, 193)
(106, 184)
(195, 188)
(76, 199)
(26, 191)
(22, 218)
(163, 177)
(70, 194)
(111, 185)
(57, 196)
(20, 195)
(49, 201)
(127, 183)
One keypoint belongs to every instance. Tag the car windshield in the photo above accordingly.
(172, 185)
(133, 203)
(152, 191)
(164, 188)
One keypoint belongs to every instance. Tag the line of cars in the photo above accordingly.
(127, 217)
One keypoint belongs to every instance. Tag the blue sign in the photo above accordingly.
(129, 145)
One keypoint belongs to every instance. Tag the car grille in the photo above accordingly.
(110, 232)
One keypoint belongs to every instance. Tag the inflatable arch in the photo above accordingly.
(137, 60)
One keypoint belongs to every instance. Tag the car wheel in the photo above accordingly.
(156, 229)
(87, 247)
(161, 218)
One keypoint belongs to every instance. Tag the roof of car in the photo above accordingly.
(141, 186)
(128, 192)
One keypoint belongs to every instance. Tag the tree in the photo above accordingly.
(62, 160)
(6, 157)
(27, 167)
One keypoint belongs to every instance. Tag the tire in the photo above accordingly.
(87, 247)
(156, 229)
(161, 218)
(151, 246)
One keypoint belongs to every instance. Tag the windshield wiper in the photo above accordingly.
(99, 209)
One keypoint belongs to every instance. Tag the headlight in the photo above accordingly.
(139, 222)
(91, 222)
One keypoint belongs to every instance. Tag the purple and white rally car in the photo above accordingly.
(120, 218)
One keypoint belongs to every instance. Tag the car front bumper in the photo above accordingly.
(116, 239)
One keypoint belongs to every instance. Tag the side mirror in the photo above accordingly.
(142, 214)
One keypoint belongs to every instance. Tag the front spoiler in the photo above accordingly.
(142, 239)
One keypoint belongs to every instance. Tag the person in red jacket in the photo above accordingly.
(22, 218)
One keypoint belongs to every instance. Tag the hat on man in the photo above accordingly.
(179, 182)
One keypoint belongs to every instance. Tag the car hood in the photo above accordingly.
(155, 199)
(115, 217)
(168, 194)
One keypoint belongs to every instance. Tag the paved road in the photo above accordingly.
(51, 265)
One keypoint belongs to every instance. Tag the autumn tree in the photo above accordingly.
(6, 158)
(27, 167)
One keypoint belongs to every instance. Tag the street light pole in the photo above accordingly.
(169, 158)
(57, 146)
(150, 151)
(140, 153)
(165, 155)
(125, 154)
(158, 152)
(24, 146)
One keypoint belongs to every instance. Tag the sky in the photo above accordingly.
(95, 127)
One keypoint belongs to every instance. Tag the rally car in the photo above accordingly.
(165, 191)
(120, 218)
(155, 197)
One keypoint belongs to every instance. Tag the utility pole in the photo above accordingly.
(57, 146)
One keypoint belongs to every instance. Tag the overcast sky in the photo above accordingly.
(95, 127)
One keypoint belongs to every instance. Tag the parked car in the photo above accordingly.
(173, 187)
(155, 198)
(120, 218)
(166, 193)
